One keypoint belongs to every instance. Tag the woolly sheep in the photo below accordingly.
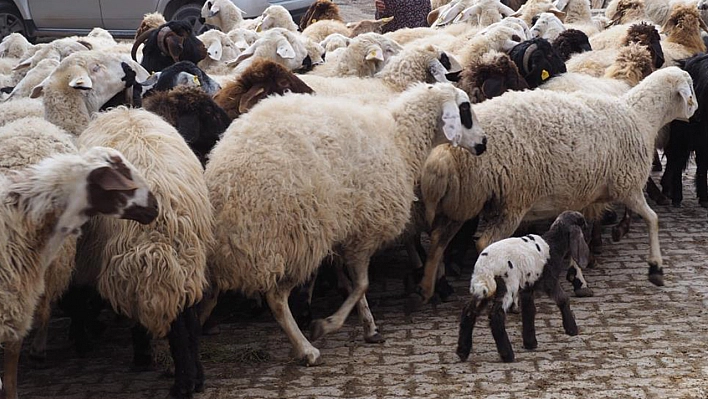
(183, 73)
(220, 50)
(150, 21)
(621, 12)
(222, 13)
(537, 61)
(34, 77)
(14, 45)
(364, 57)
(154, 274)
(385, 148)
(492, 76)
(569, 42)
(21, 108)
(319, 30)
(547, 26)
(516, 267)
(624, 128)
(335, 41)
(276, 16)
(167, 44)
(534, 7)
(42, 205)
(579, 16)
(242, 38)
(57, 49)
(278, 45)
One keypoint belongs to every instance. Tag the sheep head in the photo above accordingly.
(168, 44)
(573, 227)
(459, 125)
(183, 73)
(623, 11)
(537, 61)
(684, 25)
(368, 26)
(491, 77)
(648, 36)
(319, 10)
(276, 16)
(261, 79)
(570, 42)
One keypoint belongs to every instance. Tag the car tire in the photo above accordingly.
(190, 13)
(11, 22)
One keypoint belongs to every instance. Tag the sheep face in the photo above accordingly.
(537, 61)
(368, 26)
(492, 77)
(570, 42)
(273, 17)
(686, 104)
(319, 10)
(459, 123)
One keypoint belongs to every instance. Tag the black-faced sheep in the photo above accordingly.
(195, 115)
(537, 61)
(571, 41)
(258, 81)
(167, 44)
(183, 73)
(515, 268)
(492, 76)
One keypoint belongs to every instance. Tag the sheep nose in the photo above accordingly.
(480, 148)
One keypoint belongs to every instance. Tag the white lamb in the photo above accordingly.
(364, 57)
(220, 50)
(222, 13)
(547, 26)
(34, 77)
(278, 45)
(276, 16)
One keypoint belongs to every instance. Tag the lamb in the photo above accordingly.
(276, 16)
(320, 10)
(364, 57)
(44, 204)
(537, 61)
(154, 274)
(491, 77)
(515, 268)
(624, 127)
(390, 144)
(34, 77)
(262, 79)
(195, 115)
(569, 42)
(168, 44)
(278, 45)
(220, 50)
(223, 14)
(547, 26)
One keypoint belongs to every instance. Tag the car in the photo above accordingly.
(36, 18)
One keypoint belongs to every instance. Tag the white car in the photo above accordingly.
(34, 18)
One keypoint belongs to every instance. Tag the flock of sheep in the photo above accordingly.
(251, 154)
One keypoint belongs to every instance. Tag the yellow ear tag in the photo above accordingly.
(545, 74)
(313, 21)
(196, 81)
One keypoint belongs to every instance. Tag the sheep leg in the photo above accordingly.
(558, 295)
(412, 251)
(444, 230)
(497, 320)
(469, 316)
(702, 175)
(655, 193)
(623, 226)
(357, 263)
(302, 348)
(575, 277)
(11, 361)
(301, 300)
(38, 350)
(636, 202)
(205, 308)
(185, 364)
(528, 318)
(193, 330)
(142, 349)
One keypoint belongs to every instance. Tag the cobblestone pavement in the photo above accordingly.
(636, 340)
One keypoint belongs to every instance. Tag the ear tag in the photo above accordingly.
(196, 80)
(545, 74)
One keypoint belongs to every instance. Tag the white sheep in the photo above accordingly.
(14, 45)
(242, 38)
(319, 30)
(574, 151)
(484, 13)
(222, 13)
(348, 184)
(220, 50)
(578, 16)
(154, 274)
(278, 45)
(57, 49)
(547, 26)
(364, 57)
(34, 77)
(276, 16)
(43, 204)
(516, 267)
(21, 108)
(334, 41)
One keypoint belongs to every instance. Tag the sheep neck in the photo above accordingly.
(69, 112)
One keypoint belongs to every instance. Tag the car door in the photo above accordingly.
(65, 14)
(125, 14)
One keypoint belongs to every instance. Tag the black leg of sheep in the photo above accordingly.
(702, 172)
(142, 349)
(528, 318)
(497, 322)
(183, 338)
(467, 320)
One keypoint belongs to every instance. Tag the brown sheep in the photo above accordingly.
(647, 35)
(493, 75)
(150, 21)
(625, 11)
(683, 27)
(571, 41)
(258, 81)
(320, 10)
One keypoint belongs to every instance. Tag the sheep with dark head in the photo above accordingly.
(318, 11)
(647, 35)
(493, 75)
(516, 267)
(167, 44)
(182, 73)
(571, 41)
(537, 61)
(257, 82)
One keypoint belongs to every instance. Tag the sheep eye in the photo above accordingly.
(96, 68)
(208, 4)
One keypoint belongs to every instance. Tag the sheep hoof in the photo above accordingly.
(311, 359)
(531, 345)
(584, 292)
(656, 275)
(375, 339)
(617, 234)
(507, 357)
(572, 331)
(414, 303)
(463, 353)
(317, 329)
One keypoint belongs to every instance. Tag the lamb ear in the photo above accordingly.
(452, 126)
(560, 4)
(248, 53)
(690, 105)
(438, 71)
(81, 82)
(467, 13)
(375, 53)
(214, 51)
(558, 13)
(39, 89)
(250, 98)
(110, 180)
(285, 50)
(578, 247)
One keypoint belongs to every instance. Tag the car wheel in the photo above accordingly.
(190, 13)
(11, 21)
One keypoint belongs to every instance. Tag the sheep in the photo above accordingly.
(220, 50)
(57, 49)
(482, 13)
(195, 115)
(181, 73)
(547, 26)
(537, 61)
(364, 57)
(168, 44)
(154, 274)
(578, 16)
(534, 7)
(683, 34)
(621, 12)
(491, 77)
(14, 45)
(82, 83)
(548, 164)
(390, 144)
(569, 42)
(515, 268)
(368, 26)
(276, 16)
(20, 108)
(242, 38)
(44, 204)
(257, 82)
(277, 44)
(34, 77)
(319, 30)
(223, 14)
(320, 10)
(334, 41)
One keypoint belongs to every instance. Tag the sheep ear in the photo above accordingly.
(285, 50)
(81, 82)
(438, 70)
(560, 4)
(23, 64)
(448, 15)
(493, 87)
(578, 248)
(214, 10)
(251, 98)
(504, 10)
(558, 13)
(467, 14)
(37, 91)
(214, 51)
(175, 46)
(452, 126)
(375, 53)
(110, 180)
(689, 100)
